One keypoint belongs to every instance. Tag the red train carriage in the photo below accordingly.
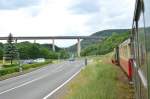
(122, 57)
(139, 48)
(125, 60)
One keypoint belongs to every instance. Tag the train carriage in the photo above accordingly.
(141, 44)
(134, 55)
(140, 49)
(122, 57)
(125, 60)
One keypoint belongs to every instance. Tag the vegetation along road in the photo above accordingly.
(99, 80)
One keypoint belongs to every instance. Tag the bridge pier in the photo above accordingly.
(53, 45)
(34, 41)
(16, 41)
(78, 47)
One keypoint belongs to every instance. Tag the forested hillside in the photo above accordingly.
(105, 46)
(105, 33)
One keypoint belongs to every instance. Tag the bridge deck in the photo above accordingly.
(51, 37)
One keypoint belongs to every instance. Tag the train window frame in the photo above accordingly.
(142, 70)
(140, 82)
(147, 32)
(143, 66)
(134, 45)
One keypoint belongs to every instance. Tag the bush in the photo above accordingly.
(15, 68)
(27, 66)
(8, 66)
(9, 70)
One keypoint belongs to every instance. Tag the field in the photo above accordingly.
(99, 80)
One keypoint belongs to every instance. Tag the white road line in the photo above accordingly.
(60, 67)
(27, 74)
(30, 81)
(23, 84)
(61, 85)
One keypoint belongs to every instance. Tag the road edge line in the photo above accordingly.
(28, 82)
(51, 93)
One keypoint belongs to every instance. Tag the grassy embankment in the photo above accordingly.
(99, 80)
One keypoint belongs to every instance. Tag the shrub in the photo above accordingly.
(9, 70)
(15, 68)
(11, 65)
(27, 66)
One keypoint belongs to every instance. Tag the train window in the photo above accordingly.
(129, 52)
(147, 31)
(142, 48)
(147, 27)
(124, 51)
(135, 44)
(147, 15)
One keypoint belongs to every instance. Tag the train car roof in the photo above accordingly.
(137, 11)
(126, 42)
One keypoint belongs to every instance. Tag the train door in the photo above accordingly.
(117, 55)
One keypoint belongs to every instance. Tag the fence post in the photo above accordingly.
(85, 61)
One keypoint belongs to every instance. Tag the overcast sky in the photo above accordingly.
(63, 17)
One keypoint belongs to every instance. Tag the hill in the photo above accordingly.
(105, 46)
(105, 33)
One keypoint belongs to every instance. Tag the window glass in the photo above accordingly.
(147, 27)
(147, 31)
(141, 45)
(147, 14)
(135, 45)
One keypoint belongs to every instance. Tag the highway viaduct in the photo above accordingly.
(78, 38)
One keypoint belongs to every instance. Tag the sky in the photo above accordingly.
(63, 17)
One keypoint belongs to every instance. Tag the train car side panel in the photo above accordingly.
(125, 58)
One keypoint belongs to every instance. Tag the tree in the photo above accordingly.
(1, 51)
(34, 51)
(10, 50)
(105, 46)
(63, 54)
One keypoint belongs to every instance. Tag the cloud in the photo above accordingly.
(16, 4)
(114, 14)
(85, 6)
(64, 17)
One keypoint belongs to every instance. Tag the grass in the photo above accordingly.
(10, 65)
(99, 80)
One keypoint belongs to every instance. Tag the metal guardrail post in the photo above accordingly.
(20, 66)
(85, 61)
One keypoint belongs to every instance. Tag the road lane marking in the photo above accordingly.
(30, 81)
(62, 85)
(23, 84)
(35, 71)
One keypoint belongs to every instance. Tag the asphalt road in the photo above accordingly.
(39, 83)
